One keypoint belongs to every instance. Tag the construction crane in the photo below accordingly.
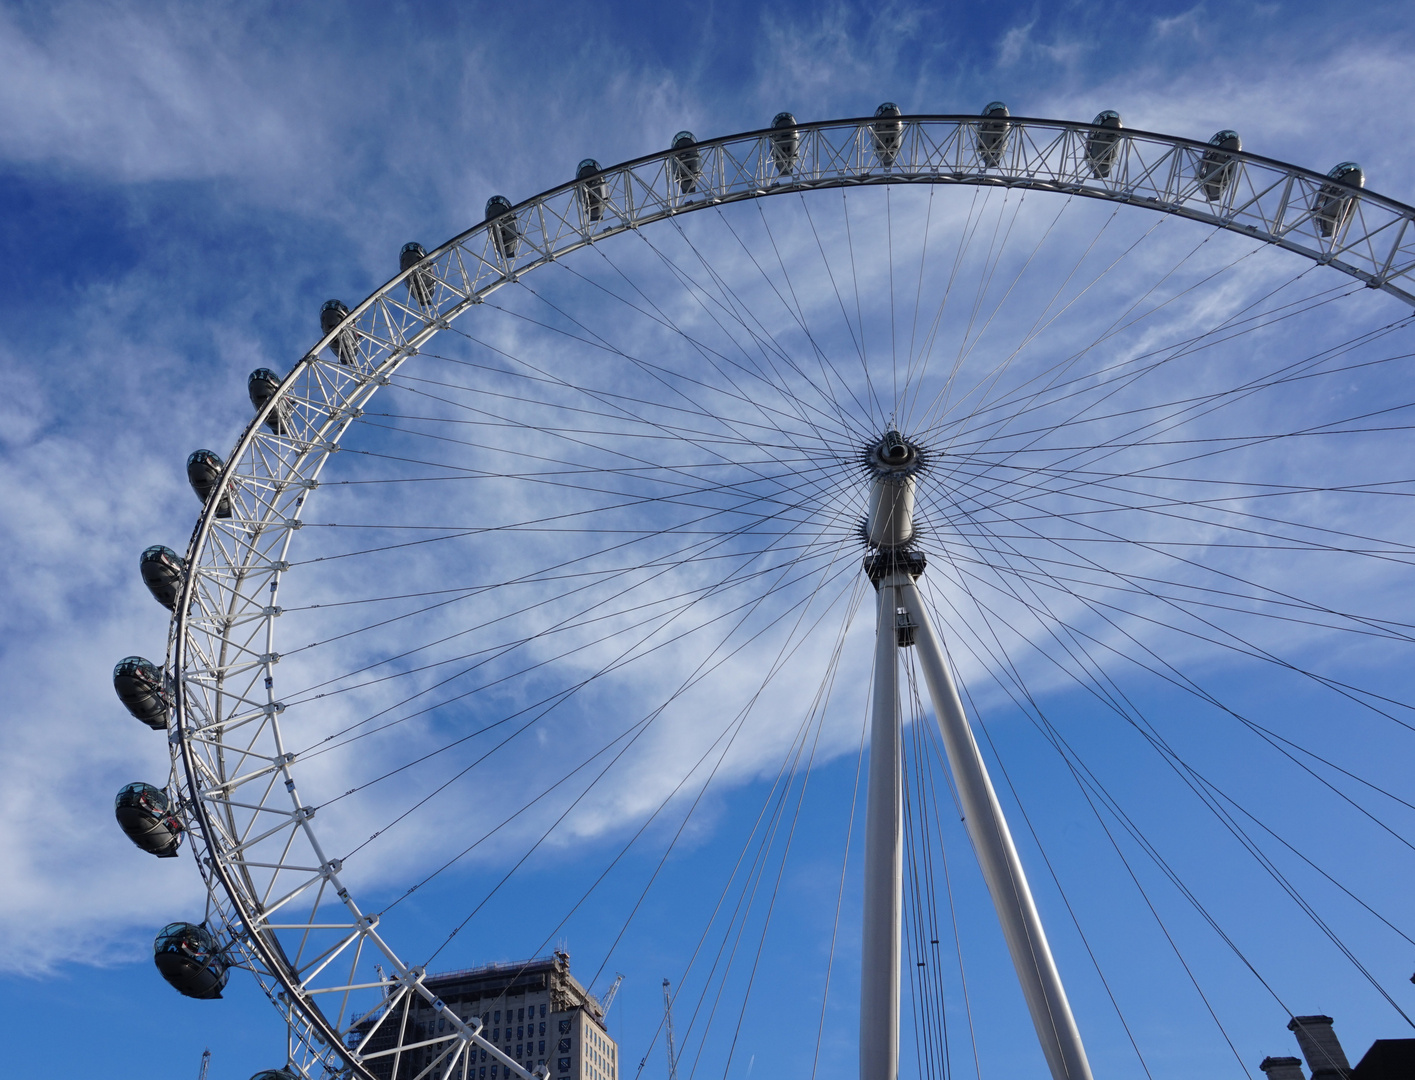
(668, 1020)
(609, 994)
(205, 1063)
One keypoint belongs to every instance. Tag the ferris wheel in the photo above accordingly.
(823, 438)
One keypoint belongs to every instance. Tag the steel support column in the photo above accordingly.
(997, 855)
(884, 856)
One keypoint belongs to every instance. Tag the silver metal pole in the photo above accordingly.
(997, 855)
(884, 856)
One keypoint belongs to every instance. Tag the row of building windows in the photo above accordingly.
(428, 1029)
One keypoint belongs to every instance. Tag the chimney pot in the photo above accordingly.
(1320, 1047)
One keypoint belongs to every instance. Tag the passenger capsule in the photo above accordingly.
(145, 816)
(203, 471)
(594, 192)
(506, 233)
(275, 1074)
(189, 959)
(1334, 201)
(993, 130)
(346, 344)
(887, 133)
(687, 162)
(1102, 146)
(1217, 167)
(162, 572)
(785, 142)
(420, 282)
(140, 688)
(262, 385)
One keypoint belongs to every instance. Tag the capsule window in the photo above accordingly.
(785, 142)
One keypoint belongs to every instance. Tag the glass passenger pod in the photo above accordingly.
(594, 191)
(1103, 144)
(261, 386)
(506, 233)
(144, 814)
(887, 133)
(1217, 167)
(420, 281)
(275, 1074)
(687, 162)
(203, 471)
(162, 572)
(785, 142)
(190, 960)
(1335, 199)
(346, 345)
(993, 130)
(140, 687)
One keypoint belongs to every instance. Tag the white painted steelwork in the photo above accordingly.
(237, 777)
(997, 855)
(884, 855)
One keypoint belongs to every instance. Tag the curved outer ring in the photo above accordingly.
(268, 475)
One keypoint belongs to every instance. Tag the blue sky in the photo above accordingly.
(183, 185)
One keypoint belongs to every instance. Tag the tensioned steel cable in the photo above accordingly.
(1188, 775)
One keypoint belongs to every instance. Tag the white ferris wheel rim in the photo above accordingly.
(1261, 199)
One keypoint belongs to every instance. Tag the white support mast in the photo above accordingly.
(884, 857)
(997, 855)
(893, 568)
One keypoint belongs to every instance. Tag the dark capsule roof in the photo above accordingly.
(995, 108)
(783, 119)
(335, 305)
(137, 793)
(131, 666)
(887, 109)
(274, 1074)
(184, 937)
(1224, 136)
(1107, 118)
(588, 167)
(263, 374)
(158, 551)
(1348, 172)
(207, 457)
(683, 138)
(412, 247)
(497, 205)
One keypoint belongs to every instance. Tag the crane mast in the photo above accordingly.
(205, 1063)
(609, 994)
(668, 1020)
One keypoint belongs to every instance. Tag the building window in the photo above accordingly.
(520, 1032)
(498, 1016)
(520, 1014)
(542, 1026)
(564, 1064)
(565, 1027)
(564, 1046)
(542, 1046)
(542, 1012)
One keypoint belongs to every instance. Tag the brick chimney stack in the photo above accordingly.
(1320, 1047)
(1283, 1068)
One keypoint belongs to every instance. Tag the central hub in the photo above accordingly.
(893, 461)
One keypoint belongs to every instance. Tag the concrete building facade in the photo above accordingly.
(534, 1010)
